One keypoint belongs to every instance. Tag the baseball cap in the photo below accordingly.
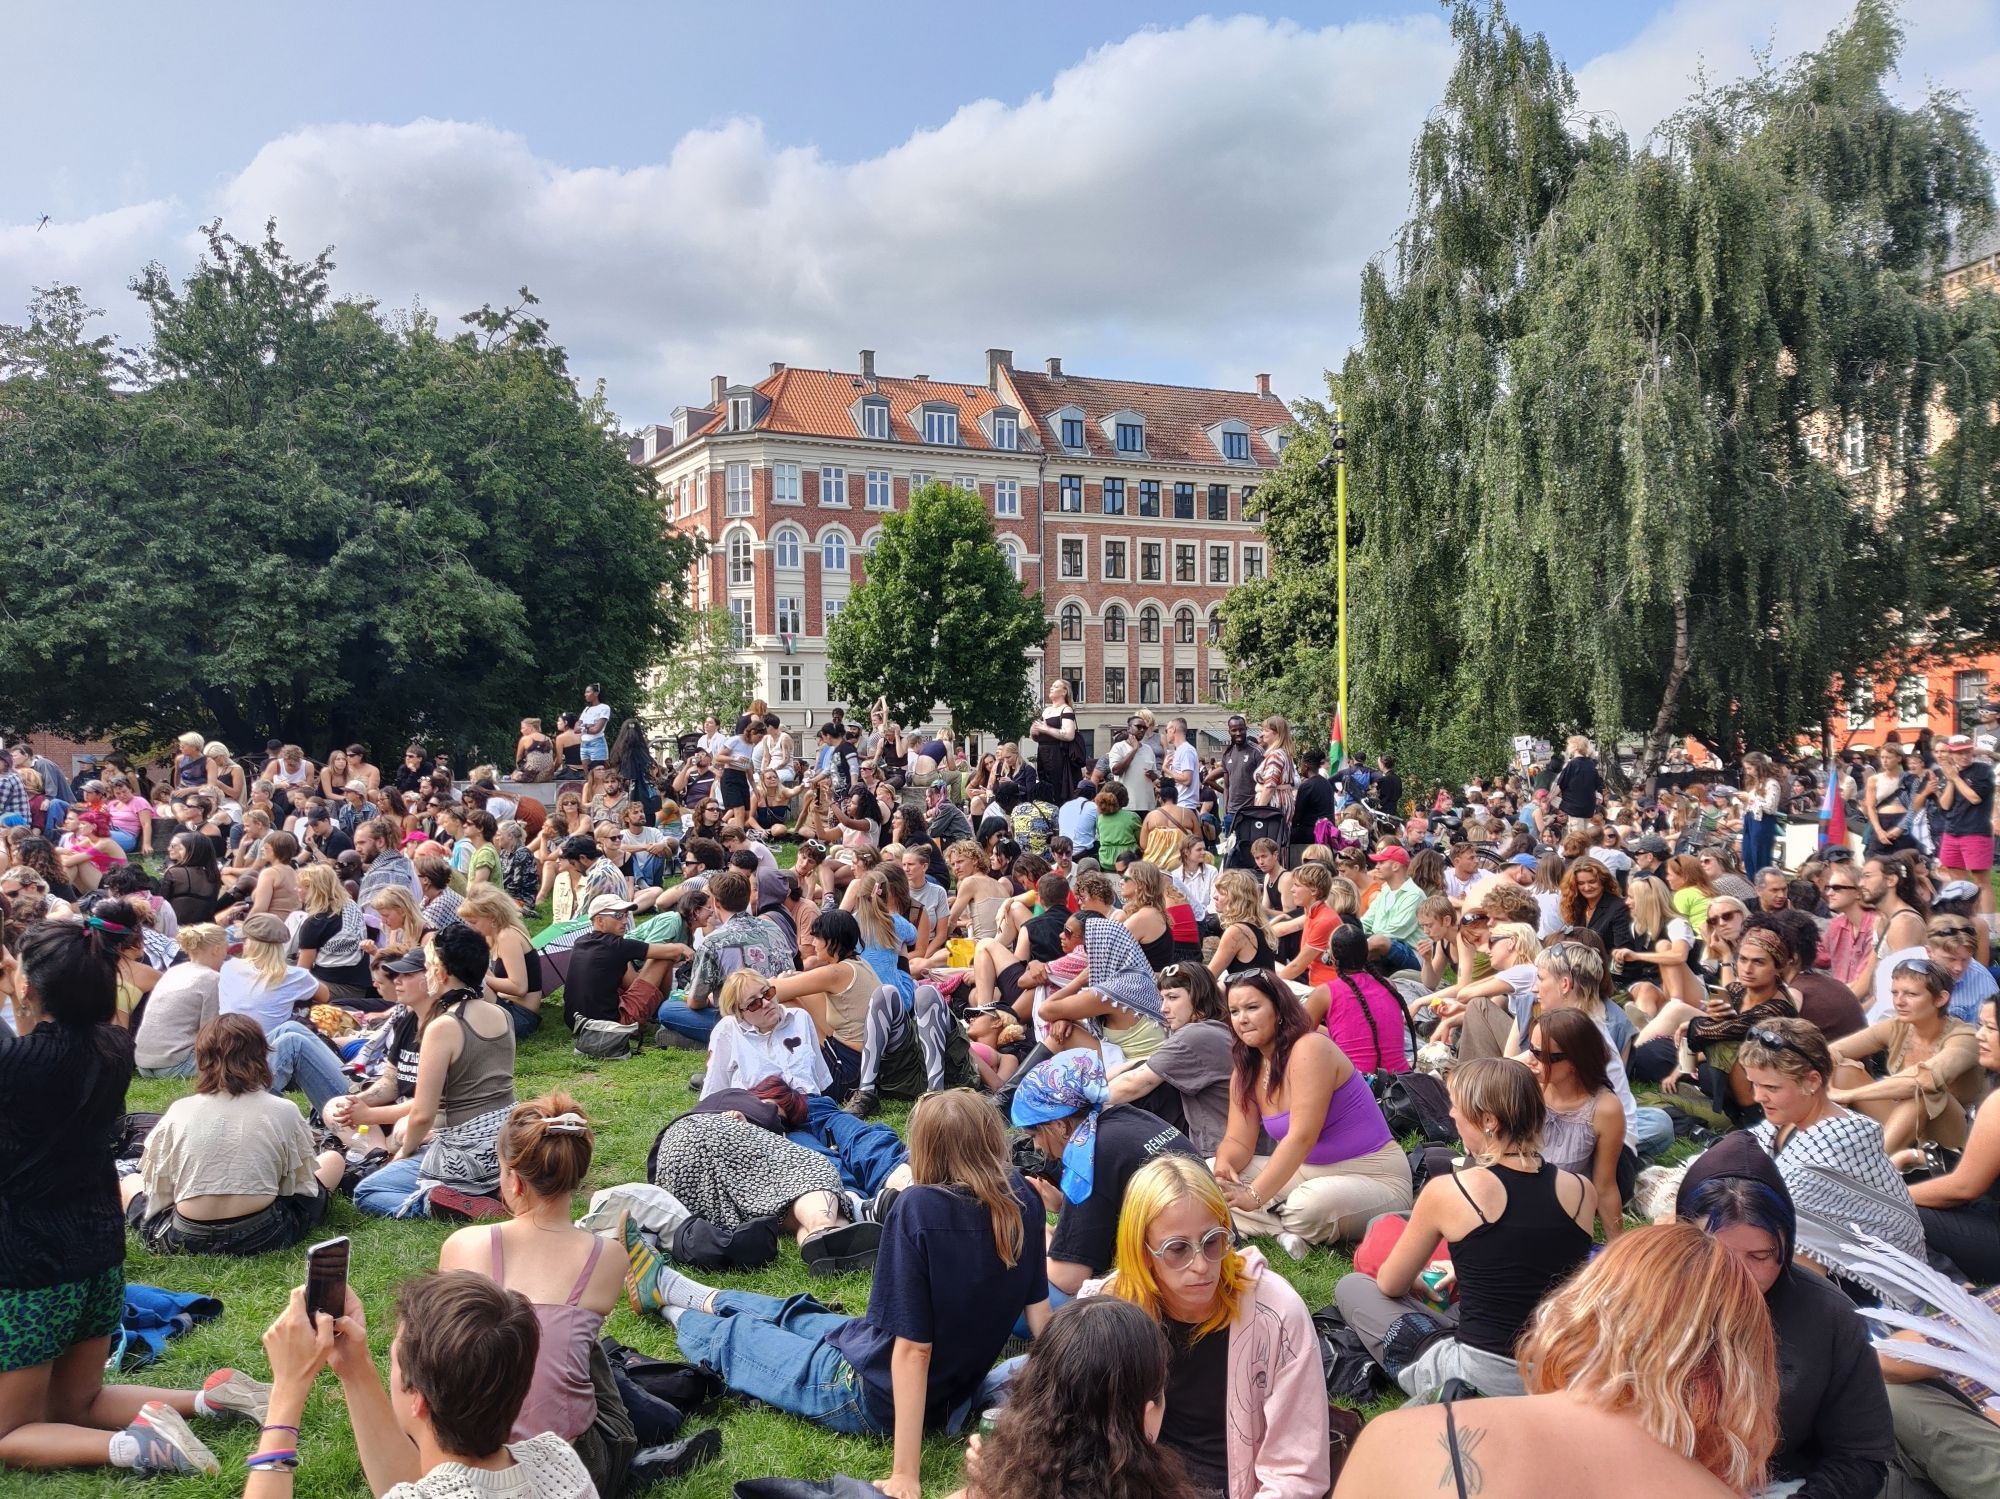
(1651, 843)
(1395, 853)
(608, 905)
(1958, 890)
(266, 928)
(1957, 744)
(409, 962)
(361, 786)
(1525, 861)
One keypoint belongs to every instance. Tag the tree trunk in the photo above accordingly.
(1656, 741)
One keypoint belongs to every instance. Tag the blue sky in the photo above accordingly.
(701, 189)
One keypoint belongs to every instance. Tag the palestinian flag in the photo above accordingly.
(1336, 745)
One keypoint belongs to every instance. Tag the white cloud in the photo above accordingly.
(1193, 204)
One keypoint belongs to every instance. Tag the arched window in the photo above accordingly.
(1214, 628)
(1183, 624)
(1114, 623)
(1072, 621)
(833, 552)
(786, 545)
(739, 557)
(1149, 625)
(1011, 550)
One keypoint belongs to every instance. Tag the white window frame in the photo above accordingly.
(1007, 497)
(791, 682)
(788, 549)
(739, 413)
(746, 564)
(839, 539)
(875, 420)
(1219, 549)
(787, 488)
(1250, 565)
(1006, 433)
(833, 485)
(1861, 703)
(736, 489)
(791, 614)
(1063, 574)
(1913, 693)
(940, 428)
(1123, 552)
(918, 479)
(1016, 559)
(967, 482)
(881, 492)
(1854, 445)
(742, 622)
(829, 611)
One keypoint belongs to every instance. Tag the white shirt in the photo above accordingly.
(1184, 761)
(242, 992)
(1198, 887)
(1130, 762)
(739, 1056)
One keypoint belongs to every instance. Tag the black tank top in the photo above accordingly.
(1508, 1264)
(1160, 951)
(534, 965)
(1262, 956)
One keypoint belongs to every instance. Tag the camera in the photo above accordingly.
(1030, 1161)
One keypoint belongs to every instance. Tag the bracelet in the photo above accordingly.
(292, 1429)
(286, 1458)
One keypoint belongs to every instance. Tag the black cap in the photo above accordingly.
(409, 962)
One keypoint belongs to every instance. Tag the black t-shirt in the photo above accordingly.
(1196, 1424)
(597, 965)
(937, 1243)
(1388, 791)
(1127, 1138)
(1314, 800)
(333, 842)
(1577, 787)
(1968, 817)
(1045, 935)
(314, 934)
(62, 1092)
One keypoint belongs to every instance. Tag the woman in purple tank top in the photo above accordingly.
(1334, 1165)
(545, 1149)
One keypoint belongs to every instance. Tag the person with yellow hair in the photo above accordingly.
(1246, 1398)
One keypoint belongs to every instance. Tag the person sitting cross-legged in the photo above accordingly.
(603, 999)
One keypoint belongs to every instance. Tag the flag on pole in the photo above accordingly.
(1336, 747)
(1832, 811)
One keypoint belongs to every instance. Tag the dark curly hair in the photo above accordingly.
(1074, 1426)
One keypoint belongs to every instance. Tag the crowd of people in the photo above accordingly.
(1168, 1023)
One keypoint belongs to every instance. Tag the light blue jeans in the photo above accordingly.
(696, 1025)
(386, 1194)
(776, 1351)
(1655, 1131)
(183, 1068)
(299, 1059)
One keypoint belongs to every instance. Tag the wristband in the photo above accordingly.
(286, 1458)
(292, 1429)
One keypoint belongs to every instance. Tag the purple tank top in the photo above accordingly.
(561, 1397)
(1353, 1127)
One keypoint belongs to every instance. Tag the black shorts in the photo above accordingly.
(735, 790)
(287, 1221)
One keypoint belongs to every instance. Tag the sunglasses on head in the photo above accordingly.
(1770, 1038)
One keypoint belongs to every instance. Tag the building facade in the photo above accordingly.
(1122, 503)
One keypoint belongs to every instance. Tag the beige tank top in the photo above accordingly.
(848, 1008)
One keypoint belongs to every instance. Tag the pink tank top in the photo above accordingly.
(561, 1397)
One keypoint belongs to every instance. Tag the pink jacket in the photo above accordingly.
(1277, 1392)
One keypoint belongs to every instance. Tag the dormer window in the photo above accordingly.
(1006, 433)
(941, 426)
(680, 425)
(1280, 440)
(1072, 433)
(1236, 447)
(1130, 437)
(739, 413)
(874, 415)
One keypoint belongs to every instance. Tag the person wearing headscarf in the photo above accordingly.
(1836, 1439)
(1092, 1149)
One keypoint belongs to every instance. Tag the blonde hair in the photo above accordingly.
(1158, 1185)
(1527, 946)
(493, 904)
(1239, 899)
(1342, 896)
(956, 1140)
(1664, 1325)
(190, 740)
(736, 990)
(268, 958)
(397, 898)
(1652, 906)
(215, 749)
(199, 937)
(320, 890)
(1505, 1091)
(878, 929)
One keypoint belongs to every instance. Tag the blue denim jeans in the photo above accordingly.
(775, 1351)
(645, 870)
(299, 1059)
(864, 1151)
(127, 841)
(696, 1025)
(183, 1068)
(1655, 1131)
(384, 1194)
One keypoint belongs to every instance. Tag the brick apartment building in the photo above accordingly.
(1121, 502)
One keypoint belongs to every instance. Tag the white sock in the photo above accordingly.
(124, 1450)
(681, 1292)
(673, 1314)
(201, 1405)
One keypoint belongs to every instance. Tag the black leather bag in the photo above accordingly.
(1416, 1103)
(1351, 1373)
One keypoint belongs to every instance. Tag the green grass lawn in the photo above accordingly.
(628, 1102)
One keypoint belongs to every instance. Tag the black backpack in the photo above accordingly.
(1351, 1373)
(1416, 1103)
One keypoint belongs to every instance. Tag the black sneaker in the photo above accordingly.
(651, 1465)
(837, 1251)
(863, 1104)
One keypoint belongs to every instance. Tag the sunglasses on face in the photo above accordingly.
(1547, 1057)
(1179, 1253)
(1833, 885)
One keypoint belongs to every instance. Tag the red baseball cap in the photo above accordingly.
(1395, 853)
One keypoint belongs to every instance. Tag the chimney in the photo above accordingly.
(1055, 369)
(717, 384)
(996, 361)
(777, 366)
(1263, 385)
(868, 364)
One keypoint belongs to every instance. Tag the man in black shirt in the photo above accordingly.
(1388, 785)
(603, 1001)
(1579, 786)
(324, 839)
(1314, 800)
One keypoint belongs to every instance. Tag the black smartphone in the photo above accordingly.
(326, 1279)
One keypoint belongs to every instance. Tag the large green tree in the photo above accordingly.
(294, 515)
(939, 618)
(1598, 398)
(703, 678)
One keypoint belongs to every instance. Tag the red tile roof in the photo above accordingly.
(1177, 416)
(819, 403)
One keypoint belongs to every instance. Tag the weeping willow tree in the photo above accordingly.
(1603, 402)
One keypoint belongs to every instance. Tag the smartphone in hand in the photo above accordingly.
(326, 1279)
